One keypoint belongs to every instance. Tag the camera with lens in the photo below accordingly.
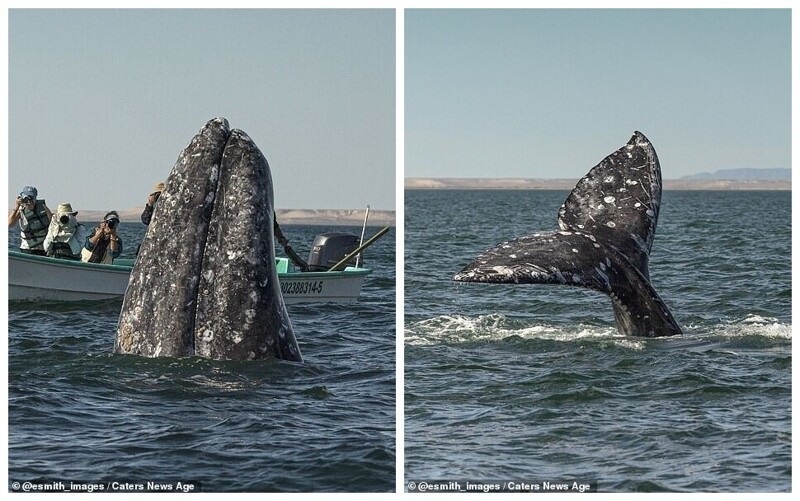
(64, 219)
(111, 223)
(27, 200)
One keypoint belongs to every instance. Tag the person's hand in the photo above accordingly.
(19, 202)
(151, 199)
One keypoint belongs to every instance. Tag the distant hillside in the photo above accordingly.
(743, 175)
(419, 183)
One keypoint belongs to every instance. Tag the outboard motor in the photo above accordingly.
(330, 248)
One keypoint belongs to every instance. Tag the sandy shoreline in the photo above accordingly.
(322, 217)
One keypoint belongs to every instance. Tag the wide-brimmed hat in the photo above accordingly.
(111, 215)
(66, 208)
(29, 192)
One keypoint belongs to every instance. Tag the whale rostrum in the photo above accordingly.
(205, 281)
(607, 226)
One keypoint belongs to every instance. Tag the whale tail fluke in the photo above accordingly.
(607, 228)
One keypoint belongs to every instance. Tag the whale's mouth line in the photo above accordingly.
(225, 160)
(202, 239)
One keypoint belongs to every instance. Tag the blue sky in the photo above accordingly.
(101, 102)
(549, 93)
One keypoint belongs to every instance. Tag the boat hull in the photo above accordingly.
(36, 278)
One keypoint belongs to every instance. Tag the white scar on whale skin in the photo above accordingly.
(603, 244)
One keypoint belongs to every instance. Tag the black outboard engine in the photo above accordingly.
(330, 248)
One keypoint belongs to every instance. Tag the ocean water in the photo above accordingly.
(78, 413)
(533, 383)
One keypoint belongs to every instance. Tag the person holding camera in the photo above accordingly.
(66, 235)
(33, 217)
(103, 245)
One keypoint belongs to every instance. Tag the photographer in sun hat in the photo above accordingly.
(66, 235)
(33, 217)
(150, 205)
(103, 245)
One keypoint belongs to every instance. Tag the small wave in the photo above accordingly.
(457, 329)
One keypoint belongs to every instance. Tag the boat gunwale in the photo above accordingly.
(69, 263)
(120, 268)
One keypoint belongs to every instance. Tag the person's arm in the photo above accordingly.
(92, 239)
(15, 213)
(147, 213)
(51, 233)
(78, 240)
(115, 244)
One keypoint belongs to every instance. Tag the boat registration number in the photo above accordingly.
(302, 287)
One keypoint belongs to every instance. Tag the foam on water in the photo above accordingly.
(492, 328)
(756, 325)
(455, 329)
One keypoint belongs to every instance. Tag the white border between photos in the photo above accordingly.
(399, 6)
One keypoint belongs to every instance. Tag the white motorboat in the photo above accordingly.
(38, 278)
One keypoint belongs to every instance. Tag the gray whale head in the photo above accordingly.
(205, 282)
(607, 223)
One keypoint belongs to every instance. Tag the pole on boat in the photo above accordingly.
(361, 247)
(363, 229)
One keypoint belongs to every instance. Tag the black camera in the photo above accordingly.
(64, 219)
(112, 223)
(27, 200)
